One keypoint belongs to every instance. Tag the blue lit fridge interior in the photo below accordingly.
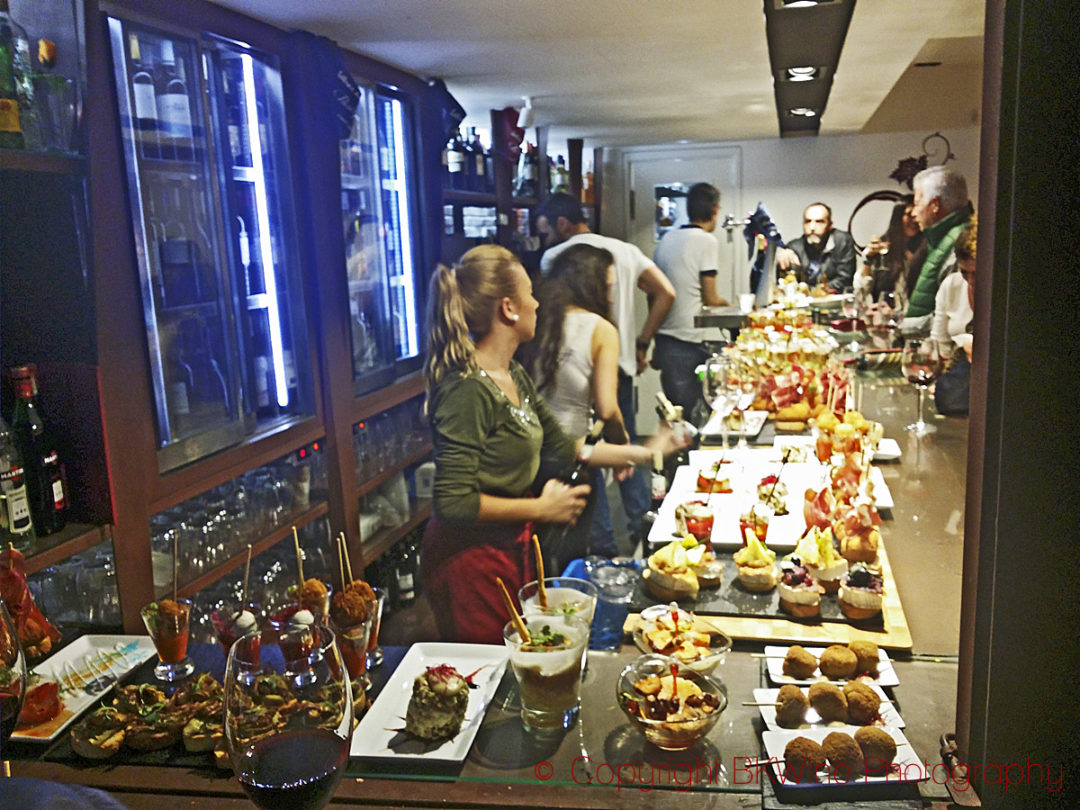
(399, 233)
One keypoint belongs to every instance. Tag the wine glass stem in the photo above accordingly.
(918, 416)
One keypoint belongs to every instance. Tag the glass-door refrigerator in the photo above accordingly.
(378, 205)
(205, 145)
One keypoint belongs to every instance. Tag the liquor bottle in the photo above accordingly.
(560, 177)
(471, 177)
(16, 90)
(528, 166)
(455, 162)
(16, 525)
(144, 100)
(44, 473)
(173, 105)
(658, 491)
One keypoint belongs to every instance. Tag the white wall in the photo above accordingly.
(787, 174)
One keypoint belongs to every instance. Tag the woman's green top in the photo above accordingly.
(486, 444)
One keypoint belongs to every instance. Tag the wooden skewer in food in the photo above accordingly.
(348, 562)
(247, 572)
(515, 617)
(299, 560)
(341, 562)
(541, 592)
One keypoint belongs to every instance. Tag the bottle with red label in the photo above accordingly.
(44, 473)
(16, 526)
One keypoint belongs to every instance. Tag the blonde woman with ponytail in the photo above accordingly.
(490, 427)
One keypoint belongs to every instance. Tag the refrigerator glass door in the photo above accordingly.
(365, 265)
(398, 188)
(175, 217)
(261, 240)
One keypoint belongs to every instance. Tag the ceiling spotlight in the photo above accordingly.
(805, 112)
(526, 115)
(801, 3)
(801, 74)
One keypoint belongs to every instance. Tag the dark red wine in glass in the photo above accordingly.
(12, 677)
(296, 770)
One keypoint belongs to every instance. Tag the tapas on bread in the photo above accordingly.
(680, 569)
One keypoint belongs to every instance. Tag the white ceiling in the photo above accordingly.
(628, 72)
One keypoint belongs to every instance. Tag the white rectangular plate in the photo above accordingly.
(774, 659)
(887, 450)
(889, 715)
(379, 734)
(753, 422)
(86, 660)
(907, 768)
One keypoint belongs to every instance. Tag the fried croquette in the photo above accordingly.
(803, 758)
(844, 755)
(878, 748)
(863, 703)
(866, 657)
(828, 701)
(837, 663)
(791, 706)
(799, 664)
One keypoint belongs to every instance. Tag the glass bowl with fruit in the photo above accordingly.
(671, 705)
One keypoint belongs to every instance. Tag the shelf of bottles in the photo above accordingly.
(380, 238)
(203, 132)
(210, 532)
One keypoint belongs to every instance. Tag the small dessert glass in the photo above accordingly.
(374, 651)
(169, 630)
(548, 676)
(227, 625)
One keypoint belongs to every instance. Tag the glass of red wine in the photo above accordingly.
(288, 717)
(921, 364)
(12, 677)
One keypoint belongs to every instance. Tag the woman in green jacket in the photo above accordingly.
(490, 428)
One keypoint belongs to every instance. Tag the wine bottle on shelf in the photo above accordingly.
(560, 177)
(16, 524)
(239, 144)
(173, 105)
(17, 114)
(482, 182)
(471, 177)
(44, 472)
(455, 158)
(178, 386)
(144, 100)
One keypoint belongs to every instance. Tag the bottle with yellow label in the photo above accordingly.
(16, 91)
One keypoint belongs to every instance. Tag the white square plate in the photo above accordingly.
(379, 735)
(767, 700)
(774, 659)
(85, 668)
(907, 768)
(753, 422)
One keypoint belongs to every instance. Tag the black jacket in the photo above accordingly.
(837, 261)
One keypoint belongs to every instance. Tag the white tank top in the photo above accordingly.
(571, 400)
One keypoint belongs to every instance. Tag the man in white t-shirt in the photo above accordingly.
(690, 258)
(561, 223)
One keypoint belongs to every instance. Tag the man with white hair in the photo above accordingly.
(943, 211)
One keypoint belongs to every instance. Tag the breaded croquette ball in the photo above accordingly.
(837, 663)
(791, 706)
(828, 701)
(866, 657)
(863, 703)
(803, 758)
(878, 748)
(844, 755)
(799, 664)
